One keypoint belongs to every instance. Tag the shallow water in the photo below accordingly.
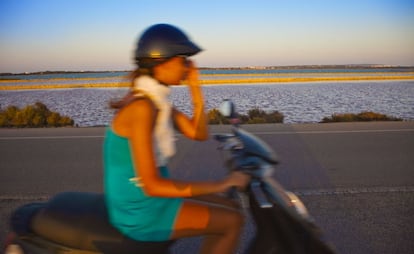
(299, 102)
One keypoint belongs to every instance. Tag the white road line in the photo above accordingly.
(329, 132)
(348, 191)
(309, 192)
(24, 198)
(49, 137)
(257, 133)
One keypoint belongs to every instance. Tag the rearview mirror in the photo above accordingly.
(227, 108)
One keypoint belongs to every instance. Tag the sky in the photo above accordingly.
(101, 35)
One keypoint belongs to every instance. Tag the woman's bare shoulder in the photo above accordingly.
(139, 111)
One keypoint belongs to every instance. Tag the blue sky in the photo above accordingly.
(38, 35)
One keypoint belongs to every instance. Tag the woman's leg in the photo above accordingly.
(217, 199)
(220, 226)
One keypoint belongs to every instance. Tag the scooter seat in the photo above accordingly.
(79, 220)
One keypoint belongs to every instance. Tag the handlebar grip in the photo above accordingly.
(260, 196)
(222, 137)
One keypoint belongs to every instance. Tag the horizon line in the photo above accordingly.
(258, 67)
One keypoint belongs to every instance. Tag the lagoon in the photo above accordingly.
(301, 102)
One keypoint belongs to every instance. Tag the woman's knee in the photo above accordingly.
(226, 219)
(238, 219)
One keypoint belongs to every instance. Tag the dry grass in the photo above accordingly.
(366, 116)
(65, 86)
(250, 79)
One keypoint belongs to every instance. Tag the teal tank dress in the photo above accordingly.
(131, 211)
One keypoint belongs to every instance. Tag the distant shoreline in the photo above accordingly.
(232, 81)
(218, 76)
(289, 67)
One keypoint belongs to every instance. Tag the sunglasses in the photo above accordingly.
(186, 60)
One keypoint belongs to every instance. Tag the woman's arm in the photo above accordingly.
(142, 115)
(197, 127)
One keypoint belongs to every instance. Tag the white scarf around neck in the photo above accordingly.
(163, 132)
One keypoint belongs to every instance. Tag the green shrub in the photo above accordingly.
(32, 116)
(215, 117)
(365, 116)
(253, 116)
(256, 116)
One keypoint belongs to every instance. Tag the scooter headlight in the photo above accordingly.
(297, 203)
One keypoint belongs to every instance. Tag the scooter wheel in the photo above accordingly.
(13, 249)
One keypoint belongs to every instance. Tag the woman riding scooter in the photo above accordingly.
(143, 202)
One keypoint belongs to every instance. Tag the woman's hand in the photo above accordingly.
(195, 128)
(192, 74)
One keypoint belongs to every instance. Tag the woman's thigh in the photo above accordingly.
(196, 218)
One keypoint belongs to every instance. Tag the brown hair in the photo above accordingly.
(130, 96)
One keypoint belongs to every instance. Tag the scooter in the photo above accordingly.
(77, 222)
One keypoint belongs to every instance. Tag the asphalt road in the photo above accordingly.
(357, 179)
